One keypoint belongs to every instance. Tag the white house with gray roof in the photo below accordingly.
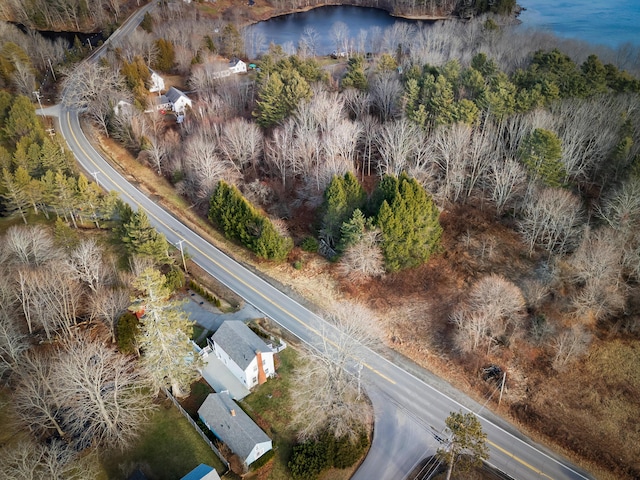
(234, 428)
(244, 353)
(177, 99)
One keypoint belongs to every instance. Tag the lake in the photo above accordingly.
(605, 22)
(287, 30)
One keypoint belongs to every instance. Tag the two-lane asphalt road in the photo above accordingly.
(409, 412)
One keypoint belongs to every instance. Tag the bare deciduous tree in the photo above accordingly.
(107, 304)
(94, 88)
(86, 263)
(12, 342)
(507, 181)
(385, 91)
(35, 398)
(327, 395)
(553, 221)
(398, 142)
(363, 259)
(55, 460)
(242, 142)
(31, 246)
(569, 345)
(492, 313)
(105, 396)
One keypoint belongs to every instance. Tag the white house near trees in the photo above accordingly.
(234, 428)
(244, 353)
(174, 100)
(237, 66)
(156, 82)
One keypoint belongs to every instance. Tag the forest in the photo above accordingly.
(477, 187)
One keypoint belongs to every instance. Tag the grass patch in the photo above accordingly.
(197, 331)
(168, 449)
(269, 406)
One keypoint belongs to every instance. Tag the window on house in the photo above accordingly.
(264, 362)
(255, 368)
(255, 379)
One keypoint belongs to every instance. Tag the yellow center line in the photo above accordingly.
(269, 300)
(215, 262)
(519, 460)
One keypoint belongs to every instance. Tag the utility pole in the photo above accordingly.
(95, 177)
(504, 377)
(52, 72)
(184, 263)
(37, 94)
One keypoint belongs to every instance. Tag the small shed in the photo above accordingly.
(202, 472)
(228, 422)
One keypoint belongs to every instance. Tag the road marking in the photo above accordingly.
(216, 263)
(519, 460)
(212, 260)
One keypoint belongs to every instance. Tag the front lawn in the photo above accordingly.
(168, 449)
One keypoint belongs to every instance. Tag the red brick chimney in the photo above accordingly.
(262, 377)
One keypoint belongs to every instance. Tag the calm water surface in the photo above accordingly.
(605, 22)
(288, 29)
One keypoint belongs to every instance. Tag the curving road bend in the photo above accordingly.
(409, 411)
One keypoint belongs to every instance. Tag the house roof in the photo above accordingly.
(173, 94)
(240, 343)
(234, 61)
(202, 472)
(238, 431)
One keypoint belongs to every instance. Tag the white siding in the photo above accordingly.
(259, 450)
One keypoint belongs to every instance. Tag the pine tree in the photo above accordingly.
(541, 153)
(355, 77)
(341, 197)
(166, 55)
(408, 220)
(241, 221)
(165, 334)
(468, 443)
(141, 238)
(16, 200)
(271, 109)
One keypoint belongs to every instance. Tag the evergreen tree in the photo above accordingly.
(341, 197)
(241, 221)
(140, 238)
(541, 153)
(22, 121)
(166, 55)
(14, 195)
(270, 107)
(467, 444)
(355, 77)
(409, 224)
(164, 338)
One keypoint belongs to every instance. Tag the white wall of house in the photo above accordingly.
(231, 365)
(181, 104)
(259, 450)
(157, 83)
(239, 67)
(248, 376)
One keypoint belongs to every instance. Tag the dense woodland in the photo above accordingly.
(485, 182)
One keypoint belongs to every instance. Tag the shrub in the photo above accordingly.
(174, 279)
(127, 331)
(309, 244)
